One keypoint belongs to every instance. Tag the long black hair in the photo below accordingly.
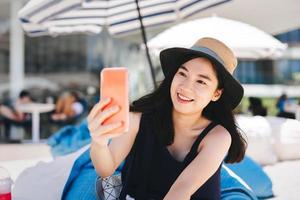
(159, 105)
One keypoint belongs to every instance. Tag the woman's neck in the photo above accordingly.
(188, 122)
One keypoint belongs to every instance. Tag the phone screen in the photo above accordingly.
(114, 84)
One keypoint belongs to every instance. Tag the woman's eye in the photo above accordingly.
(181, 73)
(201, 82)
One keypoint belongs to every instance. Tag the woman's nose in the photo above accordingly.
(187, 84)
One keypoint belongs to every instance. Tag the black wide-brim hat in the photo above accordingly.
(217, 52)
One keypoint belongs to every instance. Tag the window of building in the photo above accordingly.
(55, 54)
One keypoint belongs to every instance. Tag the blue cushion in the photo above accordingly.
(233, 187)
(83, 187)
(69, 139)
(253, 174)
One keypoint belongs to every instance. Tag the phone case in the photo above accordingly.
(114, 84)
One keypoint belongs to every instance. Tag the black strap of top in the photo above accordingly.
(202, 135)
(193, 152)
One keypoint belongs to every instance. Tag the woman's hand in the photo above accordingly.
(100, 133)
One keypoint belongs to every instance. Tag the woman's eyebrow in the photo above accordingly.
(200, 75)
(204, 76)
(184, 68)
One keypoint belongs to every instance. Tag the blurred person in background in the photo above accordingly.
(10, 110)
(11, 113)
(256, 107)
(280, 103)
(281, 106)
(68, 107)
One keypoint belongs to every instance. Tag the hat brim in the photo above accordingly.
(171, 59)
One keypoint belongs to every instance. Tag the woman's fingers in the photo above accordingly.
(104, 131)
(98, 107)
(99, 132)
(102, 116)
(107, 113)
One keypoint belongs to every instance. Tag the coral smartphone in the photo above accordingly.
(114, 84)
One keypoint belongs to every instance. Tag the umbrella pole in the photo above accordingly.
(146, 46)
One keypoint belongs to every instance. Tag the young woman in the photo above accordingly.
(179, 134)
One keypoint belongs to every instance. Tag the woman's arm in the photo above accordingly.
(211, 154)
(106, 158)
(7, 112)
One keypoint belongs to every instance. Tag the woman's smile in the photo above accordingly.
(183, 99)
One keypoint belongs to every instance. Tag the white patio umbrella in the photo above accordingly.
(246, 41)
(54, 17)
(38, 17)
(272, 16)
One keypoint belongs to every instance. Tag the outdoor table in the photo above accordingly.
(35, 109)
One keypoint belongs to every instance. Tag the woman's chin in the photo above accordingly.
(183, 109)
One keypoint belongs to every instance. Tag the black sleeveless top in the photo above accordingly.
(150, 170)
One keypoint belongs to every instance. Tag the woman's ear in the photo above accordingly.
(217, 94)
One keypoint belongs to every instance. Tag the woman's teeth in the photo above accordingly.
(184, 98)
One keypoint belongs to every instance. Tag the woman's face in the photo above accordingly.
(194, 85)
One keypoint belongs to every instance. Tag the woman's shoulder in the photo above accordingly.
(218, 133)
(135, 116)
(134, 120)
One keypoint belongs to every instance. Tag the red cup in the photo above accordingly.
(6, 196)
(5, 185)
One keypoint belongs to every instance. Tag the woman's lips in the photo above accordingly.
(183, 99)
